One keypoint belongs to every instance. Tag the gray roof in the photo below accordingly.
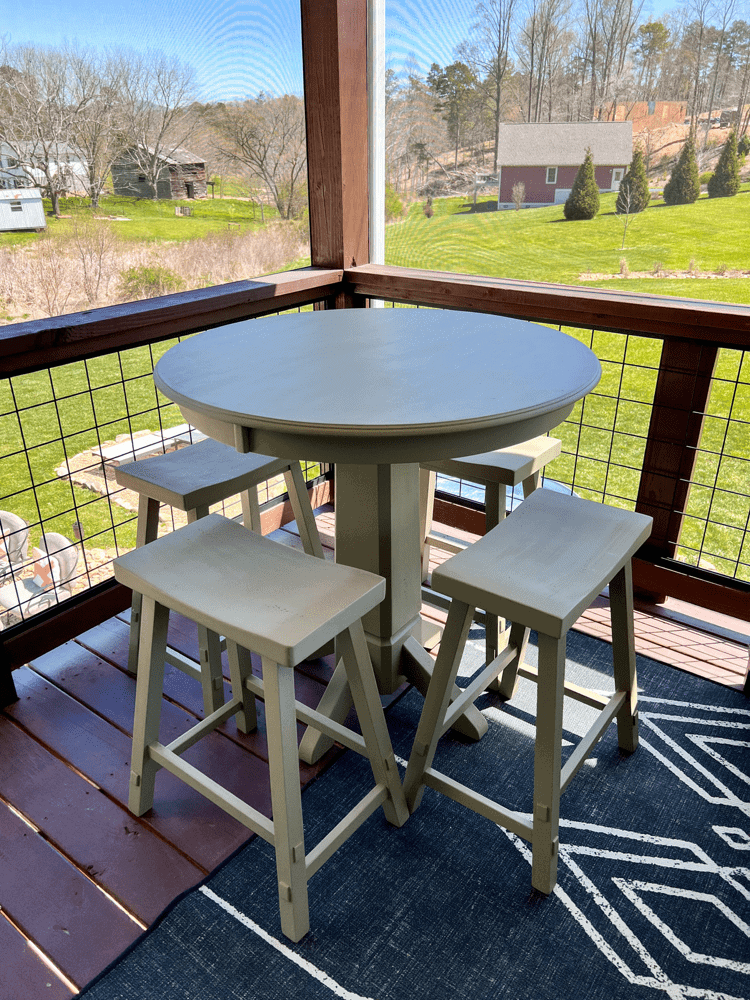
(176, 156)
(564, 144)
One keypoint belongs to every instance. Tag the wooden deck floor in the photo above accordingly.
(81, 878)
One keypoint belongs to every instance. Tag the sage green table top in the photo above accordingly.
(377, 385)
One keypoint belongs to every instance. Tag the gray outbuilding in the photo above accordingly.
(21, 209)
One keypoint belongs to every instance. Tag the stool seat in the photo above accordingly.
(192, 479)
(201, 474)
(540, 567)
(282, 604)
(544, 565)
(287, 606)
(509, 466)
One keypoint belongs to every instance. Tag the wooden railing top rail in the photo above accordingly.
(722, 324)
(36, 344)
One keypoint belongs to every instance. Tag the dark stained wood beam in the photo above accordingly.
(334, 54)
(36, 344)
(682, 389)
(722, 324)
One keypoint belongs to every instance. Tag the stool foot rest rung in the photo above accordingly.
(186, 664)
(511, 820)
(477, 686)
(346, 827)
(317, 720)
(444, 542)
(203, 727)
(578, 692)
(581, 752)
(218, 795)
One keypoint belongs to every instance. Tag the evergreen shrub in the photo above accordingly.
(683, 187)
(633, 195)
(583, 200)
(726, 179)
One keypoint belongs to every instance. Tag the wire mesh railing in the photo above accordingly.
(63, 433)
(715, 529)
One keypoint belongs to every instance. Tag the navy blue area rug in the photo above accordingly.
(652, 901)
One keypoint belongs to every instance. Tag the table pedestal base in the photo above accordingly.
(377, 529)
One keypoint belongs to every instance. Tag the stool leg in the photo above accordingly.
(251, 509)
(356, 656)
(547, 758)
(286, 799)
(436, 701)
(507, 683)
(623, 656)
(494, 508)
(531, 483)
(149, 687)
(240, 667)
(335, 703)
(427, 481)
(303, 513)
(147, 531)
(209, 649)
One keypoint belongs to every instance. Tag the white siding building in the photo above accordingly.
(21, 209)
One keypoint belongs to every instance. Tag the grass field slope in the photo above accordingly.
(706, 246)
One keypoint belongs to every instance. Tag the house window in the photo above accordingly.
(142, 178)
(552, 175)
(16, 207)
(617, 176)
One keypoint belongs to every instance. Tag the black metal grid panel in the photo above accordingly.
(714, 532)
(63, 430)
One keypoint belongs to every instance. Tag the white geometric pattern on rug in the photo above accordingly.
(675, 733)
(733, 884)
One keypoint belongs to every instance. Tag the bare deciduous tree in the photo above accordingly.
(39, 109)
(158, 113)
(266, 137)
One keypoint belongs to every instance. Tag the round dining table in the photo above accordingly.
(377, 391)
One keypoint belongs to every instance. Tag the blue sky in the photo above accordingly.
(237, 47)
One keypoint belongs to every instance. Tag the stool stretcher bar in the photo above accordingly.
(347, 826)
(478, 685)
(586, 696)
(218, 795)
(308, 716)
(579, 755)
(511, 820)
(203, 727)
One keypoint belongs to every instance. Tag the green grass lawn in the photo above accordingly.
(540, 245)
(153, 220)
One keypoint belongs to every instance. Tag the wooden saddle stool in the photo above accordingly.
(192, 479)
(541, 567)
(496, 471)
(282, 604)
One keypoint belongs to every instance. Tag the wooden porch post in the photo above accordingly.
(682, 389)
(334, 55)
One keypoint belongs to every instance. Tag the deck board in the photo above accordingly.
(56, 906)
(23, 971)
(103, 839)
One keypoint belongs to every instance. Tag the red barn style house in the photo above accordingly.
(545, 158)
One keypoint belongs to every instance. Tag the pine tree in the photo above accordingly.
(583, 200)
(633, 195)
(683, 187)
(726, 178)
